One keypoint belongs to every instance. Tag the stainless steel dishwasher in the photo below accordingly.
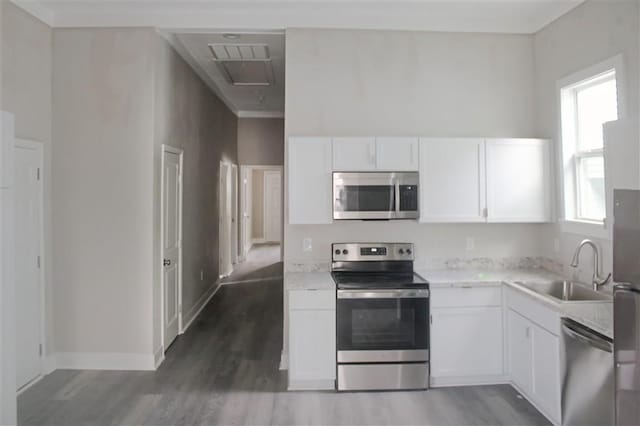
(588, 379)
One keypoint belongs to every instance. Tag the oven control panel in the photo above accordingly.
(354, 252)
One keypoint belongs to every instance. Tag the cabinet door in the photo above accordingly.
(466, 342)
(546, 371)
(452, 180)
(312, 345)
(397, 154)
(309, 177)
(519, 342)
(518, 183)
(354, 154)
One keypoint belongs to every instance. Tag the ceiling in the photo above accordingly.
(259, 80)
(192, 25)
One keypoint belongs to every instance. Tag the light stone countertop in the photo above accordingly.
(596, 315)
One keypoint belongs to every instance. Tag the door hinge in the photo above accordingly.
(38, 173)
(38, 262)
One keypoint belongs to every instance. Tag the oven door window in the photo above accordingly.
(382, 324)
(408, 198)
(365, 198)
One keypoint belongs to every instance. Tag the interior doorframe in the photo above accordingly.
(235, 229)
(252, 168)
(180, 152)
(39, 148)
(264, 203)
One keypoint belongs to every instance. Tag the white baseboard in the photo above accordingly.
(158, 357)
(284, 360)
(468, 381)
(199, 306)
(257, 241)
(48, 364)
(104, 361)
(311, 385)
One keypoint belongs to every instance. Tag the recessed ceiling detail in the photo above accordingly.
(244, 64)
(245, 52)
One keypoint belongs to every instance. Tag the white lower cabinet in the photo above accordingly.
(312, 340)
(534, 357)
(466, 336)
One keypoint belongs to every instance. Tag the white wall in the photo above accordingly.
(25, 91)
(347, 83)
(589, 34)
(189, 116)
(103, 192)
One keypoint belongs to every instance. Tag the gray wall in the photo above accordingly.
(593, 32)
(261, 141)
(103, 189)
(189, 116)
(348, 83)
(25, 91)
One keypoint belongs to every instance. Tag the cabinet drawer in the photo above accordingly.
(457, 297)
(312, 299)
(534, 310)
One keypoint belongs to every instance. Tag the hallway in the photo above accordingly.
(262, 263)
(224, 371)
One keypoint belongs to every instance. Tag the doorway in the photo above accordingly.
(29, 278)
(228, 222)
(171, 243)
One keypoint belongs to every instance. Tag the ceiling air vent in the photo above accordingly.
(244, 64)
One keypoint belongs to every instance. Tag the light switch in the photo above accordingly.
(307, 245)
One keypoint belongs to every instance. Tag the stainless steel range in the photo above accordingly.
(382, 317)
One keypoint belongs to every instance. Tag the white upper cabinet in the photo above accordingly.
(518, 180)
(397, 154)
(452, 180)
(354, 154)
(310, 181)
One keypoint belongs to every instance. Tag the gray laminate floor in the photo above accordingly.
(224, 370)
(262, 263)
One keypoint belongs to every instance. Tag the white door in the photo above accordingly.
(467, 342)
(310, 194)
(312, 342)
(520, 349)
(234, 214)
(245, 209)
(226, 266)
(28, 278)
(354, 154)
(397, 154)
(171, 243)
(452, 180)
(272, 206)
(518, 181)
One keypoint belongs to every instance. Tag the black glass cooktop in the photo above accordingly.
(378, 280)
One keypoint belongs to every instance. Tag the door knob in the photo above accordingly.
(167, 262)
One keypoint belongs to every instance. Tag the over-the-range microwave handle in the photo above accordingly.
(383, 294)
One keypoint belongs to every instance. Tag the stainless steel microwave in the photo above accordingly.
(375, 195)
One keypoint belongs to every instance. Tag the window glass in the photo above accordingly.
(596, 104)
(591, 193)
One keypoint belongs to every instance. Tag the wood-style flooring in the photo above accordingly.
(224, 371)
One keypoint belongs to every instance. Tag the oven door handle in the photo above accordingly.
(383, 294)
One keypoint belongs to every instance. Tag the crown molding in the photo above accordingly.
(260, 114)
(36, 9)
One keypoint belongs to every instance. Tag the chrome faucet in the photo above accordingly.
(597, 280)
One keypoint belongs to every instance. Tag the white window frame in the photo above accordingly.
(567, 152)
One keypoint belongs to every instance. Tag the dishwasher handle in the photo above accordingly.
(585, 335)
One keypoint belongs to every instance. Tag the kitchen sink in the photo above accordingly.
(566, 291)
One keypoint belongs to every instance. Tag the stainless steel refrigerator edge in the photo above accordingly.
(626, 302)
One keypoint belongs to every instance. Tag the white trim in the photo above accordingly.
(49, 364)
(104, 361)
(39, 148)
(30, 384)
(158, 357)
(284, 360)
(253, 280)
(260, 114)
(202, 302)
(565, 188)
(311, 385)
(36, 9)
(468, 381)
(177, 151)
(258, 241)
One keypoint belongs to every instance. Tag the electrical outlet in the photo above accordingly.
(307, 245)
(201, 274)
(471, 244)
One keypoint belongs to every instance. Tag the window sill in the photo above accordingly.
(582, 227)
